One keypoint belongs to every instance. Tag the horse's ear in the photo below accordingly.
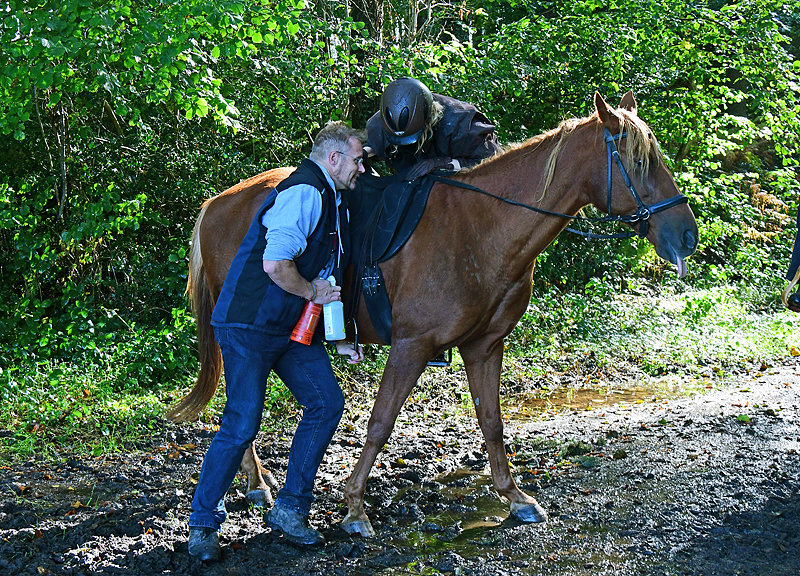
(602, 109)
(628, 102)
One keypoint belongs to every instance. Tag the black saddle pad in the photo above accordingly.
(384, 211)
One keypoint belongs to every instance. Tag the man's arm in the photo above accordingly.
(284, 273)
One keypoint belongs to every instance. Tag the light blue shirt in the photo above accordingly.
(292, 219)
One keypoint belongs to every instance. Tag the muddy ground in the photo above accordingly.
(702, 485)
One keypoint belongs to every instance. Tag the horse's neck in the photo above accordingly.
(520, 176)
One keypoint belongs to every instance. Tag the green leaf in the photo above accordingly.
(201, 107)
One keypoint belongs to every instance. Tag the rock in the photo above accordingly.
(449, 562)
(430, 527)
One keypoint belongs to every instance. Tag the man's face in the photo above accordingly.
(349, 165)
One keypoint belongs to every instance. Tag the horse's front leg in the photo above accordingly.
(258, 493)
(483, 361)
(403, 368)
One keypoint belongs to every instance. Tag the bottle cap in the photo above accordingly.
(332, 280)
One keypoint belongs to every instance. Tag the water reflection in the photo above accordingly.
(532, 405)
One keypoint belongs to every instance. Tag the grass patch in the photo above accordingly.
(72, 408)
(638, 332)
(110, 400)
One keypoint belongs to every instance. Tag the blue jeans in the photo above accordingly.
(248, 357)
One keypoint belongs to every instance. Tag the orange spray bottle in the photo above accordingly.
(304, 329)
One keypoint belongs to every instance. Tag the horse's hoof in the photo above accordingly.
(260, 498)
(360, 527)
(532, 513)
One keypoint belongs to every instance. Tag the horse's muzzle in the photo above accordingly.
(675, 245)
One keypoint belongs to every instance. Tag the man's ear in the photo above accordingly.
(333, 158)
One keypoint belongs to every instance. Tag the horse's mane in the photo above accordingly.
(641, 144)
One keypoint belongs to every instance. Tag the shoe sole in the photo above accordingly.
(207, 555)
(207, 558)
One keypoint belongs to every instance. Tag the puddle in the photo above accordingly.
(530, 406)
(87, 495)
(474, 526)
(468, 506)
(469, 489)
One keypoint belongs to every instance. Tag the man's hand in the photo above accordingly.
(347, 349)
(325, 292)
(424, 167)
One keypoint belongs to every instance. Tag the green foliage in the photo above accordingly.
(119, 118)
(639, 331)
(129, 54)
(92, 406)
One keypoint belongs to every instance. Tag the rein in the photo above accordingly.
(641, 215)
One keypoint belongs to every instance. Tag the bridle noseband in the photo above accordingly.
(642, 214)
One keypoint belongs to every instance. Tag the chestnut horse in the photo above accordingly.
(478, 288)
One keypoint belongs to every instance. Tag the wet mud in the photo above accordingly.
(635, 482)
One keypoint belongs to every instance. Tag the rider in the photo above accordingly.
(418, 131)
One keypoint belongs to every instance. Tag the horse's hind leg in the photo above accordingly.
(483, 361)
(258, 493)
(403, 367)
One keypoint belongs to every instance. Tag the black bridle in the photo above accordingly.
(642, 214)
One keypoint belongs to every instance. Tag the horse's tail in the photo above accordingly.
(202, 303)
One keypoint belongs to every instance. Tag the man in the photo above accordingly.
(296, 239)
(421, 132)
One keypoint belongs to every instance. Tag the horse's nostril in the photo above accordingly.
(689, 239)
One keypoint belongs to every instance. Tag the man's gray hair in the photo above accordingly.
(335, 135)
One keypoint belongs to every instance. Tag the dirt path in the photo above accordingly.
(698, 486)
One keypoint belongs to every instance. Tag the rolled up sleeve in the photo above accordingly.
(290, 221)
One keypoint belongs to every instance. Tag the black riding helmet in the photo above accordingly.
(405, 105)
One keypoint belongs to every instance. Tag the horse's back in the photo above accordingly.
(226, 218)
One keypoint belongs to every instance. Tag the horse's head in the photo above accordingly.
(640, 184)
